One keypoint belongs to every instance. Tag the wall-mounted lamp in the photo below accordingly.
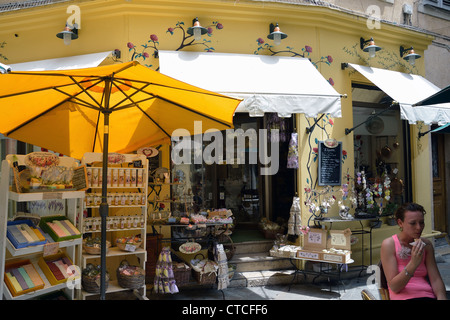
(275, 34)
(371, 48)
(411, 56)
(196, 30)
(68, 34)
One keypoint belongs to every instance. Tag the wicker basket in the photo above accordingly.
(123, 246)
(91, 284)
(181, 274)
(134, 281)
(96, 249)
(204, 277)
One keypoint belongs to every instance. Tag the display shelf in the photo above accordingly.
(48, 288)
(39, 248)
(139, 210)
(73, 203)
(113, 286)
(114, 252)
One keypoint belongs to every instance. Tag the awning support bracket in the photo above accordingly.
(394, 103)
(310, 129)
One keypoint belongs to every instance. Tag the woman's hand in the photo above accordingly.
(416, 255)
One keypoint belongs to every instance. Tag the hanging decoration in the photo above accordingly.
(294, 223)
(274, 122)
(222, 273)
(292, 159)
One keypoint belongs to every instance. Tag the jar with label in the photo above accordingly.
(108, 223)
(142, 222)
(130, 222)
(143, 199)
(110, 198)
(123, 199)
(122, 222)
(94, 224)
(136, 222)
(89, 200)
(100, 177)
(97, 199)
(116, 199)
(114, 222)
(87, 224)
(131, 198)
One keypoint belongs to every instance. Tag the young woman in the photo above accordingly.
(408, 260)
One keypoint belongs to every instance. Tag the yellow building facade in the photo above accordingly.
(327, 36)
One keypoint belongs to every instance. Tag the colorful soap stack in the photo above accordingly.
(23, 235)
(63, 228)
(60, 268)
(23, 279)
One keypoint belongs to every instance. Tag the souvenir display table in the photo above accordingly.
(362, 231)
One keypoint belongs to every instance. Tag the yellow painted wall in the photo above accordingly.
(112, 24)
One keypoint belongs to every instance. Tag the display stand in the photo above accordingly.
(8, 199)
(362, 231)
(127, 216)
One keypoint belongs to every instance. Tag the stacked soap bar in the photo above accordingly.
(59, 228)
(23, 279)
(60, 268)
(23, 235)
(63, 228)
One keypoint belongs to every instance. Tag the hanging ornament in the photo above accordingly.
(292, 159)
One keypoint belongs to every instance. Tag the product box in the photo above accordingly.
(21, 238)
(61, 262)
(339, 239)
(21, 277)
(62, 230)
(309, 255)
(315, 240)
(337, 257)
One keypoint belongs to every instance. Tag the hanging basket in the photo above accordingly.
(131, 277)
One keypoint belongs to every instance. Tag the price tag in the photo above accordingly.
(51, 195)
(130, 247)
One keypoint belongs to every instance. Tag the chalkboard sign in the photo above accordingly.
(330, 165)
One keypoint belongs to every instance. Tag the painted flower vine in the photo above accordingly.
(150, 48)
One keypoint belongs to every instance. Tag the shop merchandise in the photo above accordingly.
(23, 278)
(23, 234)
(292, 159)
(295, 221)
(222, 273)
(164, 278)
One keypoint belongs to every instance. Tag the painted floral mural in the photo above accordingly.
(149, 49)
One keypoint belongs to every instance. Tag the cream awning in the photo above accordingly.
(284, 85)
(407, 90)
(73, 62)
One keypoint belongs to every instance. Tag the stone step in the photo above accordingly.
(259, 261)
(262, 278)
(253, 246)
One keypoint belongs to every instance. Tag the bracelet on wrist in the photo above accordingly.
(408, 274)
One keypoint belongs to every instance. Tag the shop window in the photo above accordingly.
(381, 148)
(240, 187)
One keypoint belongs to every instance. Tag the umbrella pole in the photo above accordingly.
(104, 208)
